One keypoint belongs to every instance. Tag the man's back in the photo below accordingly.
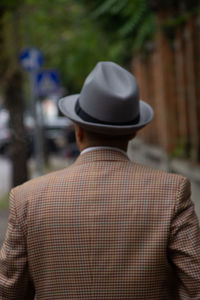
(106, 228)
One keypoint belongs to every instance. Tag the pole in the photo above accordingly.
(38, 127)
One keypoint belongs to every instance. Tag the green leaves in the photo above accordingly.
(75, 35)
(134, 18)
(110, 7)
(145, 33)
(68, 37)
(10, 4)
(125, 21)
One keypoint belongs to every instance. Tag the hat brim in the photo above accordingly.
(67, 107)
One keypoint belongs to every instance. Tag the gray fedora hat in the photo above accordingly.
(108, 103)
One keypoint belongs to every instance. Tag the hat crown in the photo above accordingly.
(108, 103)
(110, 94)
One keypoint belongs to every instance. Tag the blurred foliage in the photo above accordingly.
(130, 22)
(4, 201)
(179, 151)
(125, 18)
(10, 4)
(180, 19)
(75, 35)
(9, 38)
(69, 39)
(173, 4)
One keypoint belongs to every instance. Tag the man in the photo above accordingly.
(104, 228)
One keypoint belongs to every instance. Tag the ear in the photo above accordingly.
(133, 135)
(79, 133)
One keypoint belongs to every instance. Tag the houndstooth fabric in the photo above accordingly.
(104, 228)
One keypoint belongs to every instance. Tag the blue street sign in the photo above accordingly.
(47, 82)
(31, 59)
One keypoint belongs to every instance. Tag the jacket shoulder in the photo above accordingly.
(38, 186)
(156, 172)
(157, 178)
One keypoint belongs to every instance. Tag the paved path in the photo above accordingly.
(5, 175)
(3, 224)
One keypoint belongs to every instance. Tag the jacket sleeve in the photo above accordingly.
(15, 281)
(184, 244)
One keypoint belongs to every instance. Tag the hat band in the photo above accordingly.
(84, 116)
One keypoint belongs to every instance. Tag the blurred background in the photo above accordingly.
(47, 48)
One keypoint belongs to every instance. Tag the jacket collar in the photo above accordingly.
(102, 147)
(101, 154)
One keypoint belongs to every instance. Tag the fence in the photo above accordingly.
(169, 79)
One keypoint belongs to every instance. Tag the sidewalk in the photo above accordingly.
(3, 224)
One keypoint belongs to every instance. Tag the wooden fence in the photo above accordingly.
(169, 79)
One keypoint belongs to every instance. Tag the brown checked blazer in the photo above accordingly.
(104, 228)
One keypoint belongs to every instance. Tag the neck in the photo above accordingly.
(86, 139)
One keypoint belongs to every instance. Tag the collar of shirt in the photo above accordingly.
(102, 147)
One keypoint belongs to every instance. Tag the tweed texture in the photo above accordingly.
(104, 228)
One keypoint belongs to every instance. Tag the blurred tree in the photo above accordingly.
(71, 38)
(173, 4)
(130, 22)
(11, 83)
